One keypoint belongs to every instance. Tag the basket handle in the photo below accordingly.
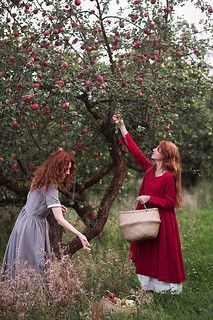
(134, 204)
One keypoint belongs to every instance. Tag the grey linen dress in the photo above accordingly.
(29, 242)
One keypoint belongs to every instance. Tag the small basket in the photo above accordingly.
(110, 306)
(140, 224)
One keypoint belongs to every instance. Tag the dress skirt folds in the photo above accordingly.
(158, 259)
(29, 242)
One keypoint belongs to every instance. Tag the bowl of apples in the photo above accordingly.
(112, 303)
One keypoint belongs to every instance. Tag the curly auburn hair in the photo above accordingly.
(171, 163)
(54, 171)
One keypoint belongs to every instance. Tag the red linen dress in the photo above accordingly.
(159, 258)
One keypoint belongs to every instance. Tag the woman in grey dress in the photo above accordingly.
(29, 241)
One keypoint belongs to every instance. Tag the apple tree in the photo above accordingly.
(67, 66)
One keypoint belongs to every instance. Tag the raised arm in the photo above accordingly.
(132, 146)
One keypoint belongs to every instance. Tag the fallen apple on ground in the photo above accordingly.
(130, 303)
(121, 302)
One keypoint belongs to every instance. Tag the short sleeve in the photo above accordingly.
(51, 196)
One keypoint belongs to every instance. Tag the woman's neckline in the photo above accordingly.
(160, 175)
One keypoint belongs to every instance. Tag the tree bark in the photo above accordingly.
(13, 185)
(120, 171)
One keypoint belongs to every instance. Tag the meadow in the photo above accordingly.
(75, 289)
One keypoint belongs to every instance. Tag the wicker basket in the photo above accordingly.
(139, 224)
(110, 306)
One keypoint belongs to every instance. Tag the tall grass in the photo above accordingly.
(107, 267)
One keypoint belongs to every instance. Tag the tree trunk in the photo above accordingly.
(120, 171)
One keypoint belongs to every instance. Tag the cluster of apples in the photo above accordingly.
(120, 302)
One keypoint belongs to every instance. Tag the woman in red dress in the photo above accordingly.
(159, 262)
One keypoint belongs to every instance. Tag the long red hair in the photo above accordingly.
(53, 171)
(171, 162)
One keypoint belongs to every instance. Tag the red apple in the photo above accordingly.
(33, 59)
(65, 64)
(100, 78)
(47, 110)
(77, 2)
(87, 83)
(16, 34)
(46, 33)
(59, 83)
(100, 122)
(86, 149)
(114, 48)
(167, 10)
(96, 154)
(55, 31)
(140, 80)
(35, 106)
(122, 68)
(74, 24)
(167, 127)
(36, 85)
(121, 24)
(134, 17)
(178, 53)
(124, 83)
(79, 144)
(64, 129)
(147, 31)
(15, 124)
(137, 44)
(85, 130)
(14, 165)
(75, 40)
(65, 105)
(45, 63)
(61, 121)
(103, 85)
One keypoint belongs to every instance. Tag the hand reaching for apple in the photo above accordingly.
(120, 123)
(86, 245)
(117, 118)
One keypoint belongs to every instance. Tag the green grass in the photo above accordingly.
(107, 268)
(104, 269)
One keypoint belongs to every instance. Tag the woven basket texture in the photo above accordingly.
(109, 306)
(139, 224)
